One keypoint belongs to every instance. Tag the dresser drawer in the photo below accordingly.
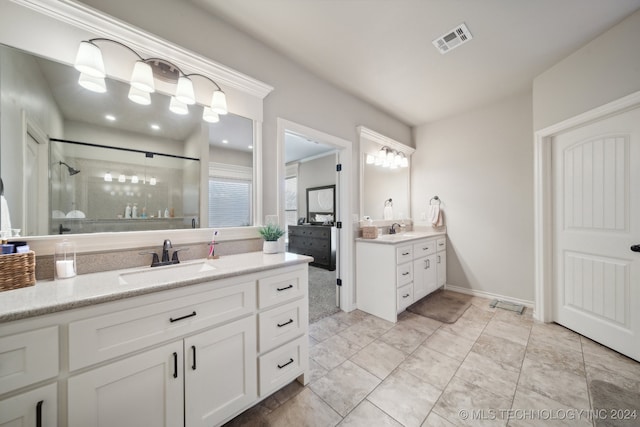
(28, 357)
(404, 254)
(282, 365)
(424, 248)
(282, 324)
(100, 338)
(310, 231)
(404, 273)
(281, 288)
(405, 297)
(441, 244)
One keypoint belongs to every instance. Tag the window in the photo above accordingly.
(230, 196)
(291, 200)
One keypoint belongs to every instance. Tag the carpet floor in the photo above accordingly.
(322, 293)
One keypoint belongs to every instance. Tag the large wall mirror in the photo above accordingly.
(378, 182)
(75, 161)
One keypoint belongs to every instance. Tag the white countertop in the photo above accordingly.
(394, 239)
(50, 296)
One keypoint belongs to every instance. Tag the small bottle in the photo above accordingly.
(144, 212)
(166, 212)
(127, 211)
(134, 211)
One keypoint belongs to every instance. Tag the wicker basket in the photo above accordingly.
(17, 271)
(369, 232)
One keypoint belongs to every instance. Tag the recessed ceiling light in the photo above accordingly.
(154, 126)
(110, 117)
(225, 141)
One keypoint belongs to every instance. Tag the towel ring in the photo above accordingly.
(436, 198)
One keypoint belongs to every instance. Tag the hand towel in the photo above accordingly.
(435, 216)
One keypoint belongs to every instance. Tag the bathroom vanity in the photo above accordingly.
(193, 344)
(395, 270)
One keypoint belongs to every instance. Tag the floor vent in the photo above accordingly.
(452, 39)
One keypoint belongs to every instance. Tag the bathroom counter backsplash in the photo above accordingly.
(50, 296)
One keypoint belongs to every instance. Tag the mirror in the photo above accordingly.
(41, 99)
(321, 205)
(379, 184)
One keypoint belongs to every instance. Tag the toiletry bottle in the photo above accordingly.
(134, 211)
(144, 212)
(127, 211)
(166, 212)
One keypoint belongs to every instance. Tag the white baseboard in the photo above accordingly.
(489, 295)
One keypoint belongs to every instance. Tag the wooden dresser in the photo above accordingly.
(318, 241)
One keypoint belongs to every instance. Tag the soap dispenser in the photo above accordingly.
(127, 211)
(134, 211)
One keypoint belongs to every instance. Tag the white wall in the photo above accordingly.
(480, 164)
(602, 71)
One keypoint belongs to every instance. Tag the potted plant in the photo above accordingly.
(271, 233)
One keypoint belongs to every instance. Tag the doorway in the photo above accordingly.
(333, 151)
(588, 223)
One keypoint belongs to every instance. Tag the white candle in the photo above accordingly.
(65, 269)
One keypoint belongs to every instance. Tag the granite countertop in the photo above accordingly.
(50, 296)
(393, 239)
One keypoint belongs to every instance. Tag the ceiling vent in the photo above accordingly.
(452, 39)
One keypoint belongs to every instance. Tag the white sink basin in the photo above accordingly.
(165, 274)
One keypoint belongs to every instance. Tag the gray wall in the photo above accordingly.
(299, 95)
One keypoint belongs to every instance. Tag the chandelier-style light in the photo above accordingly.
(91, 66)
(388, 158)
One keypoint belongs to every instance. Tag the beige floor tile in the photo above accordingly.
(379, 358)
(461, 401)
(431, 366)
(514, 331)
(450, 344)
(501, 350)
(421, 323)
(617, 377)
(305, 409)
(326, 328)
(367, 414)
(470, 329)
(350, 318)
(483, 303)
(513, 317)
(533, 409)
(556, 334)
(485, 372)
(405, 398)
(404, 338)
(602, 357)
(365, 332)
(565, 358)
(435, 420)
(316, 370)
(345, 387)
(475, 313)
(333, 351)
(554, 382)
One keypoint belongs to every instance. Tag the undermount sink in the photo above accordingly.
(165, 274)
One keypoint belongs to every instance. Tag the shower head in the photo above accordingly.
(72, 171)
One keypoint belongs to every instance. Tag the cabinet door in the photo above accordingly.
(142, 390)
(424, 276)
(441, 260)
(38, 407)
(220, 373)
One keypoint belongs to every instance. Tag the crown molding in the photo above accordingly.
(380, 139)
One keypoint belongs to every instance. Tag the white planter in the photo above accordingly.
(270, 247)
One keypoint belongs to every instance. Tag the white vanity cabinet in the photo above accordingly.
(394, 272)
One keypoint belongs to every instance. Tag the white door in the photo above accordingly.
(596, 214)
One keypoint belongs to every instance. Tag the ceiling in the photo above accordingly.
(381, 50)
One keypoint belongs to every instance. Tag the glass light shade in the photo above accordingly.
(122, 178)
(219, 102)
(142, 77)
(405, 163)
(139, 96)
(108, 177)
(89, 60)
(184, 92)
(382, 153)
(397, 160)
(370, 159)
(178, 107)
(152, 181)
(390, 157)
(94, 84)
(134, 179)
(209, 116)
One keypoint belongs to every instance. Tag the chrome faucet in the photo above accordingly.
(165, 250)
(392, 229)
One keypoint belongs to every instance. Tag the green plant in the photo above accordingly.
(271, 232)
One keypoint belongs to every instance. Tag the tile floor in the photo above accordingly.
(508, 368)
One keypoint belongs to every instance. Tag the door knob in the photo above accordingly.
(635, 248)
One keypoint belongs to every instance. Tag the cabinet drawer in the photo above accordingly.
(310, 231)
(404, 273)
(103, 337)
(441, 244)
(28, 357)
(405, 297)
(282, 365)
(282, 324)
(404, 254)
(423, 248)
(283, 287)
(22, 410)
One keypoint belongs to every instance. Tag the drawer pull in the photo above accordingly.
(405, 296)
(438, 259)
(427, 264)
(288, 363)
(405, 273)
(39, 414)
(285, 288)
(405, 253)
(193, 366)
(175, 365)
(171, 319)
(425, 249)
(280, 325)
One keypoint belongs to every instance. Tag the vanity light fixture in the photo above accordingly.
(388, 158)
(122, 178)
(108, 177)
(90, 63)
(134, 179)
(152, 181)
